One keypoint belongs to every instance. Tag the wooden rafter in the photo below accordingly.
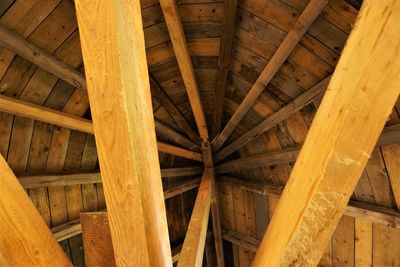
(44, 114)
(174, 24)
(25, 238)
(193, 246)
(294, 36)
(120, 100)
(363, 211)
(225, 51)
(390, 136)
(298, 103)
(41, 57)
(360, 95)
(215, 213)
(171, 134)
(162, 97)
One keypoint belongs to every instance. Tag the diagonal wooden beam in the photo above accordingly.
(25, 239)
(62, 119)
(162, 97)
(171, 134)
(193, 246)
(360, 96)
(41, 57)
(297, 104)
(225, 51)
(119, 93)
(174, 24)
(359, 210)
(294, 36)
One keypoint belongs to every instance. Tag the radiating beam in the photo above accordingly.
(25, 239)
(41, 57)
(193, 246)
(171, 134)
(162, 97)
(174, 24)
(294, 36)
(297, 104)
(225, 51)
(62, 119)
(113, 49)
(345, 130)
(359, 210)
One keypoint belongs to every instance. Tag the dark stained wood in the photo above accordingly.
(225, 51)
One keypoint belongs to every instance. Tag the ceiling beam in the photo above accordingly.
(215, 213)
(360, 96)
(294, 36)
(25, 239)
(46, 180)
(171, 134)
(120, 100)
(359, 210)
(174, 24)
(193, 246)
(225, 52)
(62, 119)
(297, 104)
(41, 57)
(390, 136)
(159, 93)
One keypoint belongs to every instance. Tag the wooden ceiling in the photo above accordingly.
(230, 47)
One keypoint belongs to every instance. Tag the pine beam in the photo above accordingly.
(174, 24)
(297, 104)
(119, 93)
(294, 36)
(62, 119)
(25, 239)
(171, 134)
(193, 246)
(225, 51)
(162, 97)
(360, 95)
(41, 57)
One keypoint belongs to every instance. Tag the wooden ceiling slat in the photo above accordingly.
(337, 146)
(172, 18)
(294, 36)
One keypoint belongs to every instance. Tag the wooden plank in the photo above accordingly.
(294, 36)
(390, 135)
(97, 239)
(178, 172)
(241, 240)
(41, 58)
(174, 24)
(343, 243)
(120, 99)
(193, 246)
(334, 154)
(225, 51)
(297, 104)
(25, 238)
(166, 131)
(391, 156)
(359, 210)
(62, 119)
(162, 97)
(363, 243)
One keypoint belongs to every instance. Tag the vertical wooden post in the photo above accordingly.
(113, 48)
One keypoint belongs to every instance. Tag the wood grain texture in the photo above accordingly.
(41, 58)
(294, 36)
(193, 246)
(181, 152)
(25, 239)
(174, 24)
(298, 103)
(119, 94)
(337, 148)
